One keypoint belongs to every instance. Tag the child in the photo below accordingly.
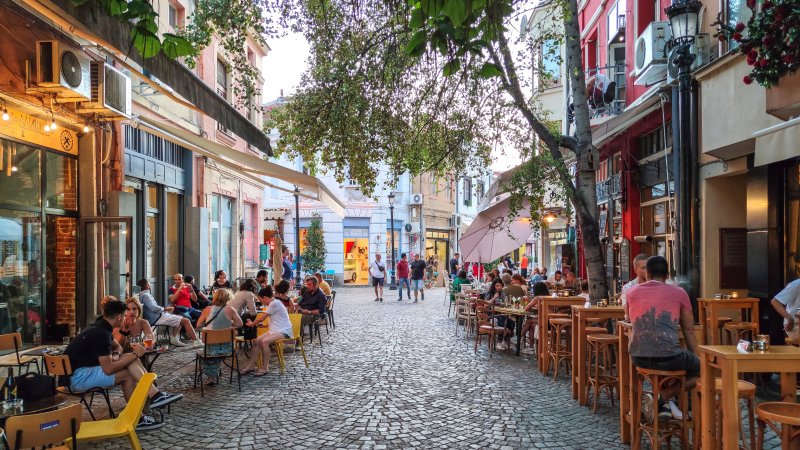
(584, 290)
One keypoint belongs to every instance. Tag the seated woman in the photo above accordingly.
(280, 327)
(460, 280)
(495, 295)
(282, 294)
(218, 316)
(539, 290)
(133, 326)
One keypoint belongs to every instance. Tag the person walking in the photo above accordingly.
(402, 277)
(454, 266)
(523, 266)
(378, 272)
(418, 267)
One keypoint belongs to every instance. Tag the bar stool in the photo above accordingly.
(783, 413)
(657, 431)
(747, 392)
(602, 376)
(738, 330)
(560, 345)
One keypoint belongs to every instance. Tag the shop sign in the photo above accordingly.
(30, 129)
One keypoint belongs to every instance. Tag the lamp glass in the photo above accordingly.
(391, 199)
(683, 17)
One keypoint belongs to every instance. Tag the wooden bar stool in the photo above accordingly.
(560, 344)
(657, 431)
(601, 373)
(783, 413)
(739, 330)
(747, 392)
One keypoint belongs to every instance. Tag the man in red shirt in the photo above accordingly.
(656, 310)
(523, 266)
(181, 295)
(402, 277)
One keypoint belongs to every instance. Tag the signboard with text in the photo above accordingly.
(24, 127)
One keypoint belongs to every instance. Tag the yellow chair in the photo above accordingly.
(39, 430)
(263, 329)
(125, 423)
(296, 329)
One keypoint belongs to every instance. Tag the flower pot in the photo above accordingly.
(783, 99)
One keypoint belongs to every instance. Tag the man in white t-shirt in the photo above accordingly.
(640, 268)
(787, 304)
(377, 271)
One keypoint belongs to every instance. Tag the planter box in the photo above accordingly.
(783, 100)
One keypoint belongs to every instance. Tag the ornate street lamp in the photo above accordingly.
(683, 19)
(393, 282)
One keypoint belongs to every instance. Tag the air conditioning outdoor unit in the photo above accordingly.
(62, 70)
(455, 221)
(650, 55)
(414, 228)
(416, 199)
(111, 92)
(702, 50)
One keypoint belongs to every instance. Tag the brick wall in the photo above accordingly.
(66, 267)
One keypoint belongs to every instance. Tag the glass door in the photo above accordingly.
(105, 255)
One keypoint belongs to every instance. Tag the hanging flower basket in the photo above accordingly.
(770, 40)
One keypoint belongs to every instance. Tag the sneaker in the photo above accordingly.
(416, 301)
(176, 342)
(400, 299)
(664, 413)
(381, 298)
(423, 296)
(197, 343)
(647, 408)
(675, 411)
(376, 299)
(501, 346)
(162, 399)
(148, 423)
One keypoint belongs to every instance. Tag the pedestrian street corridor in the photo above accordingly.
(391, 375)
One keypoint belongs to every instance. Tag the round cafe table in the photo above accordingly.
(33, 407)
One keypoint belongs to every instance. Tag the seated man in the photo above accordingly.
(181, 295)
(155, 315)
(97, 361)
(655, 310)
(556, 281)
(312, 301)
(323, 285)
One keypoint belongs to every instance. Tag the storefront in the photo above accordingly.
(356, 250)
(437, 246)
(398, 240)
(38, 227)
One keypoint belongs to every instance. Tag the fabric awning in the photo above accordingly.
(777, 143)
(249, 166)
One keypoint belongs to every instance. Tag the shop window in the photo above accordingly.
(221, 233)
(251, 253)
(20, 174)
(20, 271)
(792, 227)
(467, 192)
(173, 227)
(62, 182)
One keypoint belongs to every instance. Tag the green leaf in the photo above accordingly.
(146, 42)
(431, 7)
(417, 41)
(490, 70)
(78, 2)
(417, 18)
(451, 67)
(137, 9)
(175, 46)
(115, 7)
(456, 10)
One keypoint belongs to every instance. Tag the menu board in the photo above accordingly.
(625, 260)
(733, 258)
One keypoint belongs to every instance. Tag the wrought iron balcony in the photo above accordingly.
(606, 99)
(609, 189)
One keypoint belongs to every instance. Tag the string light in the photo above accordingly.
(6, 117)
(53, 125)
(47, 128)
(86, 128)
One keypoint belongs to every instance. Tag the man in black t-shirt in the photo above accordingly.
(312, 301)
(97, 361)
(454, 265)
(417, 267)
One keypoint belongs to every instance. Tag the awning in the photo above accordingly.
(606, 131)
(249, 166)
(777, 143)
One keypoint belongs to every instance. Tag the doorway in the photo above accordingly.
(356, 260)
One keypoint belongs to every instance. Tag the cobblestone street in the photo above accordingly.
(392, 375)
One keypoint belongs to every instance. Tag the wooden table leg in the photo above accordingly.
(729, 404)
(575, 341)
(707, 412)
(519, 318)
(713, 331)
(542, 338)
(581, 367)
(701, 315)
(788, 387)
(624, 388)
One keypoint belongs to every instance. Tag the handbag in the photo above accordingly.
(249, 333)
(33, 386)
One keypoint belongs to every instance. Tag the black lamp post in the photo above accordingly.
(298, 278)
(683, 16)
(393, 282)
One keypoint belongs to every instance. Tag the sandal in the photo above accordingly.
(260, 373)
(211, 382)
(248, 370)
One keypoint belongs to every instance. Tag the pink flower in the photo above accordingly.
(747, 80)
(740, 27)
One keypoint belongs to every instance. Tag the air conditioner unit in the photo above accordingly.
(702, 50)
(62, 70)
(455, 221)
(650, 55)
(414, 228)
(416, 199)
(111, 92)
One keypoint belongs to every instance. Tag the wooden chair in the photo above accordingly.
(560, 344)
(59, 366)
(785, 414)
(485, 325)
(125, 424)
(601, 373)
(44, 429)
(657, 432)
(13, 341)
(211, 337)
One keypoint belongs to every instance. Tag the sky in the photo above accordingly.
(288, 59)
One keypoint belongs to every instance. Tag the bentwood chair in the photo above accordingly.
(13, 341)
(60, 368)
(44, 429)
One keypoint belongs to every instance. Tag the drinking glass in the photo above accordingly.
(148, 342)
(65, 340)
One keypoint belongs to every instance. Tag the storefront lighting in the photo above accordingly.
(13, 168)
(86, 128)
(550, 217)
(47, 128)
(6, 117)
(53, 125)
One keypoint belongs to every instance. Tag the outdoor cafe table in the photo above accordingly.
(33, 406)
(709, 310)
(547, 306)
(579, 343)
(730, 361)
(519, 315)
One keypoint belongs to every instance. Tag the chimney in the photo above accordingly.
(281, 93)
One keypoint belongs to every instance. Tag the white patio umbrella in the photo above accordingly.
(493, 234)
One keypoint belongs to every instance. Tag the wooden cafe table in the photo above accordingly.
(709, 310)
(547, 306)
(579, 315)
(519, 315)
(730, 361)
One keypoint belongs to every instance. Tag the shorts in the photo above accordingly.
(685, 360)
(170, 320)
(85, 378)
(377, 281)
(417, 285)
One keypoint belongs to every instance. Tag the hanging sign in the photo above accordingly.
(24, 127)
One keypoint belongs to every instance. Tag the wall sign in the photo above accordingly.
(733, 258)
(30, 129)
(625, 260)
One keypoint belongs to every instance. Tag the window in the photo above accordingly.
(448, 188)
(481, 190)
(62, 182)
(221, 233)
(434, 189)
(550, 60)
(251, 253)
(736, 11)
(467, 191)
(173, 16)
(654, 142)
(222, 86)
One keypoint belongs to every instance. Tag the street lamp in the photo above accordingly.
(393, 282)
(683, 19)
(549, 217)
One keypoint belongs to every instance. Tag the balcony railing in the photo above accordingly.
(611, 101)
(609, 189)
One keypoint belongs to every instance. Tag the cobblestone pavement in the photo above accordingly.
(392, 375)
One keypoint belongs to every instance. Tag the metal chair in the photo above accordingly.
(59, 366)
(211, 337)
(13, 341)
(44, 429)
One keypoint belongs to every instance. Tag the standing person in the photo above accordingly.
(97, 361)
(262, 279)
(202, 299)
(656, 310)
(640, 268)
(418, 267)
(155, 315)
(509, 263)
(454, 265)
(287, 273)
(280, 327)
(378, 272)
(181, 295)
(402, 277)
(218, 316)
(523, 266)
(221, 281)
(787, 304)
